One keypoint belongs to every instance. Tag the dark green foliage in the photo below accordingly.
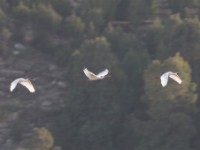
(152, 76)
(41, 139)
(63, 7)
(134, 63)
(22, 12)
(185, 37)
(121, 13)
(98, 11)
(180, 6)
(75, 24)
(3, 18)
(122, 42)
(129, 110)
(140, 10)
(45, 17)
(95, 105)
(4, 35)
(172, 131)
(2, 3)
(152, 38)
(170, 123)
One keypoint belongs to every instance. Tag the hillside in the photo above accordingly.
(51, 41)
(24, 110)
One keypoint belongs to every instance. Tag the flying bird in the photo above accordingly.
(25, 82)
(164, 78)
(93, 76)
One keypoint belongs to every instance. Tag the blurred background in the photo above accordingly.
(51, 41)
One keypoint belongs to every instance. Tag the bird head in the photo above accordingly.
(107, 76)
(176, 73)
(101, 77)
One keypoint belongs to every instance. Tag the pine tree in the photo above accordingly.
(170, 110)
(41, 139)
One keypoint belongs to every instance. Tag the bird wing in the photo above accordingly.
(14, 84)
(27, 83)
(164, 79)
(176, 78)
(103, 73)
(89, 74)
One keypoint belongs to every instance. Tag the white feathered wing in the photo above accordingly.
(165, 76)
(164, 79)
(25, 82)
(93, 76)
(90, 74)
(176, 78)
(103, 73)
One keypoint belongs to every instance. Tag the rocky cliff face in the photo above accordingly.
(21, 110)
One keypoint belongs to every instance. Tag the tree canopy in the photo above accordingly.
(137, 41)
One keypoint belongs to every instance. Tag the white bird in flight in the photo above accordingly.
(25, 82)
(93, 76)
(164, 78)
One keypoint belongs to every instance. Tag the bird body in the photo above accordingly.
(91, 76)
(164, 78)
(25, 82)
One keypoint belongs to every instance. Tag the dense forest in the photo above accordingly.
(137, 40)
